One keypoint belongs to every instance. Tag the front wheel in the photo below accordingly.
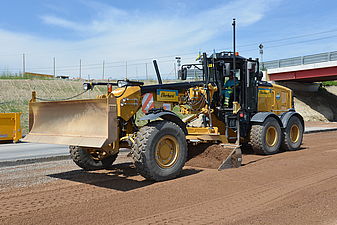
(160, 150)
(90, 159)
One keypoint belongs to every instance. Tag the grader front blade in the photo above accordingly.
(234, 159)
(86, 123)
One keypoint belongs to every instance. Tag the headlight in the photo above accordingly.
(122, 83)
(87, 86)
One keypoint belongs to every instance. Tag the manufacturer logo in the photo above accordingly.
(167, 95)
(264, 91)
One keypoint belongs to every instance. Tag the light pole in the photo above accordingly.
(147, 76)
(261, 55)
(103, 70)
(80, 69)
(178, 65)
(23, 64)
(126, 69)
(54, 67)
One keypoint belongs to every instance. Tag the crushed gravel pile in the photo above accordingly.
(207, 155)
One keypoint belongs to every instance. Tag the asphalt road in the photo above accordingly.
(21, 151)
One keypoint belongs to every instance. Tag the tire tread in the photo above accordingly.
(84, 160)
(139, 149)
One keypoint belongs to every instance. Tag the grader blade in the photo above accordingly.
(86, 123)
(234, 159)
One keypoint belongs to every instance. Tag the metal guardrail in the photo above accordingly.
(301, 60)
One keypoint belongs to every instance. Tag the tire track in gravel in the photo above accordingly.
(27, 202)
(208, 197)
(54, 196)
(228, 208)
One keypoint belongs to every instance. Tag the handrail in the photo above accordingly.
(301, 60)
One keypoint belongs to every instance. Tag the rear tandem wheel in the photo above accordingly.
(266, 138)
(293, 134)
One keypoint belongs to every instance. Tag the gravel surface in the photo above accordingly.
(298, 187)
(207, 156)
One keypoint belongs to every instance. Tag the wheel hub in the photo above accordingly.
(167, 151)
(271, 136)
(294, 133)
(97, 154)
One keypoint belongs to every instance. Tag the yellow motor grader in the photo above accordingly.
(253, 113)
(260, 114)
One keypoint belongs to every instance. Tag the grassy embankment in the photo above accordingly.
(329, 83)
(16, 93)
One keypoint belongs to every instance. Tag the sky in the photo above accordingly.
(126, 35)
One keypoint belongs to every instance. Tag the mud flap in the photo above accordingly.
(234, 159)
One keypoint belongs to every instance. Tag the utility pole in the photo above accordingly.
(54, 63)
(178, 65)
(126, 69)
(147, 75)
(80, 69)
(175, 70)
(103, 69)
(23, 64)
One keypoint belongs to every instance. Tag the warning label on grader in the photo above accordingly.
(147, 102)
(167, 95)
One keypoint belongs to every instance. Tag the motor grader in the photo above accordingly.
(260, 115)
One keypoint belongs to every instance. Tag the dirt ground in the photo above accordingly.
(207, 155)
(298, 187)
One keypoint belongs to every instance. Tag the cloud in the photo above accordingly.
(105, 16)
(56, 21)
(119, 35)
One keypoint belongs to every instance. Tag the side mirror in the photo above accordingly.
(183, 73)
(260, 76)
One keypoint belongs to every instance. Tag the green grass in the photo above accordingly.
(329, 83)
(16, 76)
(16, 93)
